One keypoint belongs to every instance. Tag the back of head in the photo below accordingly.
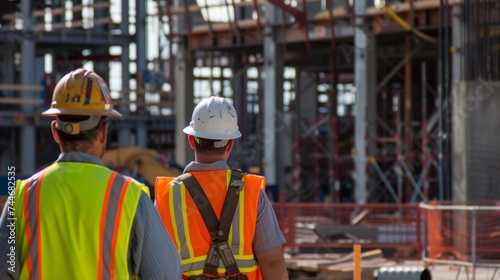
(213, 123)
(81, 103)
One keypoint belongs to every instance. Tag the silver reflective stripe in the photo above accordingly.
(109, 225)
(201, 264)
(235, 227)
(33, 224)
(179, 221)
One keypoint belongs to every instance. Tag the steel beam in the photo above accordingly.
(124, 133)
(273, 123)
(184, 102)
(365, 75)
(28, 135)
(457, 53)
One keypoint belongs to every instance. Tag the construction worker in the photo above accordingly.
(213, 241)
(77, 219)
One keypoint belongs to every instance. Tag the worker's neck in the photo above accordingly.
(207, 159)
(98, 153)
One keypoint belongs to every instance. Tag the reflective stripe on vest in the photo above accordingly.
(31, 218)
(111, 215)
(181, 218)
(71, 235)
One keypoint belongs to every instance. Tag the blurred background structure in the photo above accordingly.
(343, 101)
(352, 101)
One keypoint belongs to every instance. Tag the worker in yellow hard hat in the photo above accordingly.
(221, 220)
(77, 219)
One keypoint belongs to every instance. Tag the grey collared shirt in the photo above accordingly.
(152, 254)
(267, 232)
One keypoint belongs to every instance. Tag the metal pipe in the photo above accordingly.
(473, 243)
(440, 102)
(333, 145)
(384, 180)
(397, 67)
(408, 101)
(446, 95)
(425, 135)
(416, 185)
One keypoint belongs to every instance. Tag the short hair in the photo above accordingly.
(80, 142)
(209, 146)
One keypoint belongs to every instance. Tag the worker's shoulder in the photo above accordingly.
(133, 181)
(164, 180)
(254, 181)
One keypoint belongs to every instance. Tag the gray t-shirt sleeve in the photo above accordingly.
(153, 253)
(267, 232)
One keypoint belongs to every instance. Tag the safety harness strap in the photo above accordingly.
(219, 232)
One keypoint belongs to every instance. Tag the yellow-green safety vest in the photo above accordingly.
(69, 227)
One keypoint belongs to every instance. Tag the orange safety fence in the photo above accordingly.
(469, 234)
(323, 227)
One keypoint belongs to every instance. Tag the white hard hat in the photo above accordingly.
(214, 118)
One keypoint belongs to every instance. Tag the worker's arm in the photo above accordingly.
(267, 242)
(153, 252)
(9, 259)
(272, 264)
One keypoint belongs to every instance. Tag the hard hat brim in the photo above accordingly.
(54, 112)
(213, 136)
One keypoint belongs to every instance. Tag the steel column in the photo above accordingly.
(273, 124)
(124, 133)
(365, 70)
(184, 102)
(457, 54)
(28, 135)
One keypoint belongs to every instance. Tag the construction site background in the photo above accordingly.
(359, 113)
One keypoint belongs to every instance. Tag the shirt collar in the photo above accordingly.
(196, 166)
(79, 157)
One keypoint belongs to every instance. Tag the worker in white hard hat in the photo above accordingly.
(77, 219)
(220, 220)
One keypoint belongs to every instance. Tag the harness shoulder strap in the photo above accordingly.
(219, 232)
(201, 201)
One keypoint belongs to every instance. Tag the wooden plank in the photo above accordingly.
(349, 257)
(224, 26)
(337, 12)
(405, 7)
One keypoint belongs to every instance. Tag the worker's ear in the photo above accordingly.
(54, 132)
(229, 146)
(191, 141)
(103, 133)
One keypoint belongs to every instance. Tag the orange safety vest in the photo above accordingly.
(187, 227)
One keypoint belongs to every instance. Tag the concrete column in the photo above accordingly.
(183, 102)
(365, 70)
(456, 38)
(28, 139)
(274, 121)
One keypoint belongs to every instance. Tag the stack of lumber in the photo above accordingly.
(335, 266)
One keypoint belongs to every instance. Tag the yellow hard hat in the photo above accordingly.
(81, 93)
